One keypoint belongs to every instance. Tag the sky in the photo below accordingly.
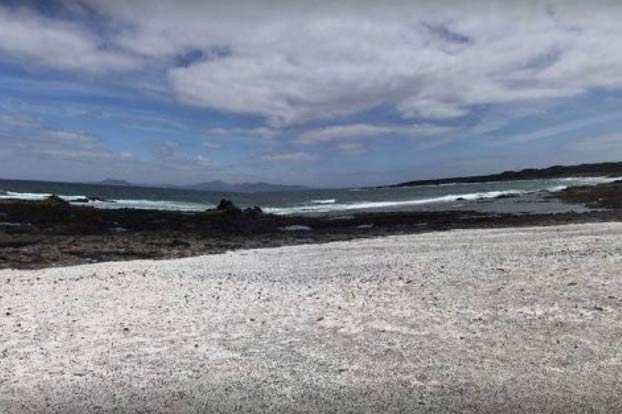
(318, 93)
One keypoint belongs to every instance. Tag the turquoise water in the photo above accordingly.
(300, 202)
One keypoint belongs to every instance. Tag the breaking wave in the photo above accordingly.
(120, 203)
(325, 202)
(364, 205)
(153, 205)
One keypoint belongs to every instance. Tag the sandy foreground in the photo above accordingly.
(512, 320)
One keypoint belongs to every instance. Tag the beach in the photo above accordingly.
(490, 320)
(52, 232)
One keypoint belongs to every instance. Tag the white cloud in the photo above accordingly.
(30, 149)
(258, 132)
(291, 156)
(26, 137)
(351, 148)
(293, 62)
(338, 132)
(607, 146)
(204, 161)
(362, 131)
(211, 145)
(555, 130)
(70, 137)
(10, 121)
(36, 40)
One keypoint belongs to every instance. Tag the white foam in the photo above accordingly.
(153, 205)
(592, 180)
(137, 204)
(557, 188)
(38, 196)
(327, 201)
(25, 196)
(580, 181)
(364, 205)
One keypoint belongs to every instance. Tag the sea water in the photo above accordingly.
(488, 196)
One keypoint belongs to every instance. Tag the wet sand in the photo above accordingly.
(504, 320)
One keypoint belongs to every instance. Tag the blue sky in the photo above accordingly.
(331, 94)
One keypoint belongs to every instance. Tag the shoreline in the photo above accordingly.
(40, 234)
(519, 320)
(608, 169)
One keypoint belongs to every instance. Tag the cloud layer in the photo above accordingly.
(294, 63)
(32, 39)
(24, 137)
(308, 74)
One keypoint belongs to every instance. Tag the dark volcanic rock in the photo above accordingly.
(597, 196)
(228, 207)
(55, 201)
(611, 169)
(179, 243)
(502, 196)
(85, 200)
(253, 211)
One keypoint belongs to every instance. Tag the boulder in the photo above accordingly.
(502, 196)
(55, 201)
(253, 211)
(227, 206)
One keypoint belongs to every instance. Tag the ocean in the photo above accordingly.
(520, 196)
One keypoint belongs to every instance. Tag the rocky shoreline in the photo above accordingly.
(604, 169)
(40, 234)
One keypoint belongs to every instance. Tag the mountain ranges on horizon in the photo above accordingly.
(216, 186)
(557, 171)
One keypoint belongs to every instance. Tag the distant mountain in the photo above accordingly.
(216, 186)
(260, 187)
(111, 181)
(611, 169)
